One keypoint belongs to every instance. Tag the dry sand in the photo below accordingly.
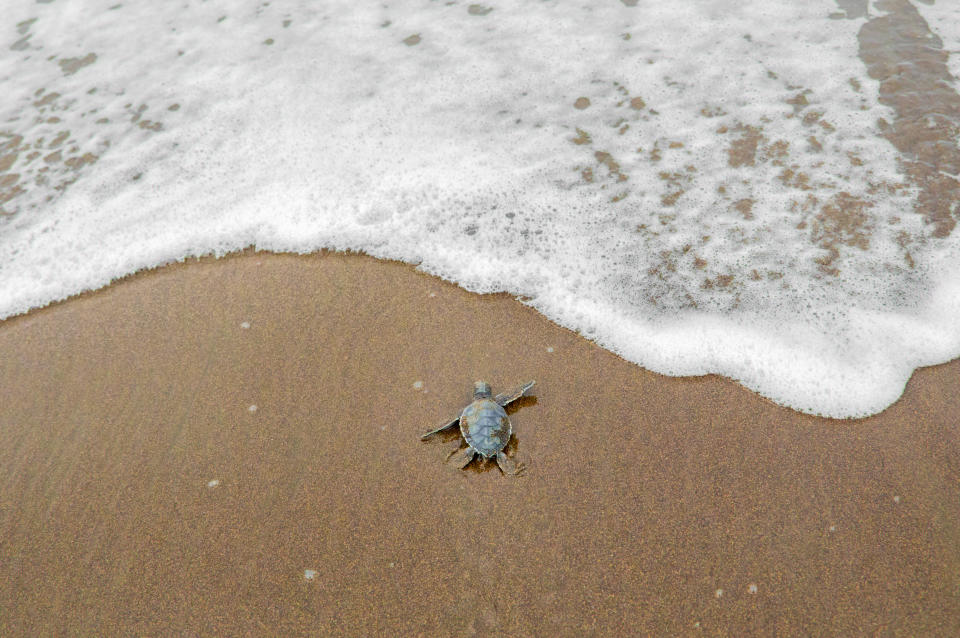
(142, 494)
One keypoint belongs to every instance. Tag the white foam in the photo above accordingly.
(943, 18)
(293, 127)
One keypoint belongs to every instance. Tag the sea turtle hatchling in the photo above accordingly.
(485, 427)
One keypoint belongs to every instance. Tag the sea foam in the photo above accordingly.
(701, 187)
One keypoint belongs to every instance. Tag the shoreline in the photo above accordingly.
(183, 448)
(251, 252)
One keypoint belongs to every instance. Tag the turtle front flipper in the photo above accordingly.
(507, 398)
(508, 465)
(446, 426)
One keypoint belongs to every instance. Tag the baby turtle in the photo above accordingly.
(485, 427)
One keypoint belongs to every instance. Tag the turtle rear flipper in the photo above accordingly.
(464, 457)
(508, 465)
(446, 426)
(507, 398)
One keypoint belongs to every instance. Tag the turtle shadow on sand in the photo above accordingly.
(483, 430)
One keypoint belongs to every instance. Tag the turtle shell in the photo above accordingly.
(485, 427)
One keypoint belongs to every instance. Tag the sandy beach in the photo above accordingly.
(231, 447)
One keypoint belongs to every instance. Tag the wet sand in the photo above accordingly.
(141, 493)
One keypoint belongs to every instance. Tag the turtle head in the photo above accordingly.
(481, 390)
